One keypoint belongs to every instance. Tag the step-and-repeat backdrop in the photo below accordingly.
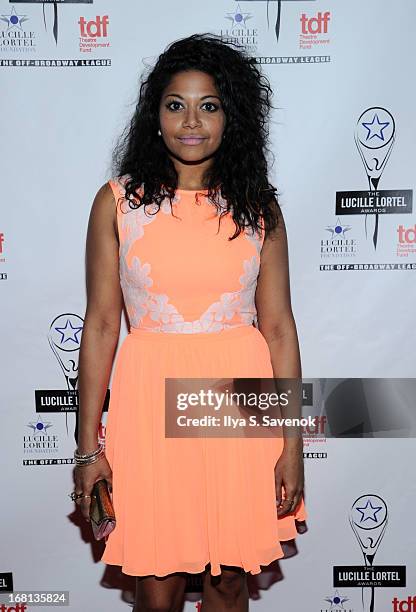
(343, 136)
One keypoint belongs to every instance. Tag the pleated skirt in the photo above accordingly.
(189, 504)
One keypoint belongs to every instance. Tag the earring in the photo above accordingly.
(159, 133)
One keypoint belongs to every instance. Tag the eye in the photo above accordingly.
(213, 106)
(174, 106)
(169, 105)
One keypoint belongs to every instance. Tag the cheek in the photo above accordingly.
(167, 120)
(217, 125)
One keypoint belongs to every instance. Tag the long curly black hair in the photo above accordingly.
(239, 170)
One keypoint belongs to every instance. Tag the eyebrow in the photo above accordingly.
(202, 98)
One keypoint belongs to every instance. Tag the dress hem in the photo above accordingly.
(278, 554)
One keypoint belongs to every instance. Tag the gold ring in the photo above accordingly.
(75, 495)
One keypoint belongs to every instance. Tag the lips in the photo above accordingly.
(191, 140)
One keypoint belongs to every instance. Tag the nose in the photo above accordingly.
(191, 118)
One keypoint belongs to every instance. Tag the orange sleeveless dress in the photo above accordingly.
(188, 504)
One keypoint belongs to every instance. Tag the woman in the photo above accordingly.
(190, 234)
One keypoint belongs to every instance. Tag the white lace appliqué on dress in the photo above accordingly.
(233, 309)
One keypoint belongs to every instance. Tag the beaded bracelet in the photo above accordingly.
(88, 458)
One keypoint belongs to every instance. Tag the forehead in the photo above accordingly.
(191, 81)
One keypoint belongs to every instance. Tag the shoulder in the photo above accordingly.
(103, 210)
(118, 186)
(104, 198)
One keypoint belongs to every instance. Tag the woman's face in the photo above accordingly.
(191, 116)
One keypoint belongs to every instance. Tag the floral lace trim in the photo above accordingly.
(141, 302)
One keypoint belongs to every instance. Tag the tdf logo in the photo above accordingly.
(404, 605)
(95, 28)
(315, 25)
(407, 235)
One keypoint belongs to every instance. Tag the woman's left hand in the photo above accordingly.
(289, 473)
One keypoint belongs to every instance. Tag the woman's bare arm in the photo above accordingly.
(273, 303)
(276, 321)
(102, 318)
(277, 324)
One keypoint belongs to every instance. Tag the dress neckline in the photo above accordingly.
(191, 191)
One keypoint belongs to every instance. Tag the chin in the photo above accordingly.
(191, 156)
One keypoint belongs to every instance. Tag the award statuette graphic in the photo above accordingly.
(65, 339)
(279, 13)
(55, 10)
(374, 138)
(368, 519)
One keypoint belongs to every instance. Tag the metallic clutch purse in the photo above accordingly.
(102, 515)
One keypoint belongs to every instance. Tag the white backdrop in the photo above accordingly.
(353, 300)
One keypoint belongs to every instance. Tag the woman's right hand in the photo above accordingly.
(85, 478)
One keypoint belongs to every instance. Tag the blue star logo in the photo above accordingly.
(368, 512)
(337, 601)
(238, 17)
(40, 427)
(69, 333)
(375, 128)
(14, 20)
(338, 229)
